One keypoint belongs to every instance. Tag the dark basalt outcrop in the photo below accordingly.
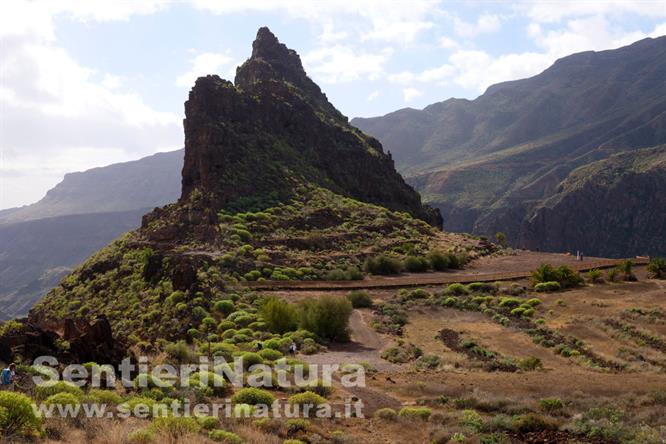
(87, 342)
(252, 141)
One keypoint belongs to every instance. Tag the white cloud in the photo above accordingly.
(436, 74)
(373, 95)
(58, 115)
(204, 64)
(339, 64)
(551, 11)
(410, 94)
(485, 24)
(448, 43)
(329, 34)
(399, 21)
(112, 82)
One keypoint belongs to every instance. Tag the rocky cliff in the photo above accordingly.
(248, 144)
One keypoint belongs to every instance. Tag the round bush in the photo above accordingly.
(103, 397)
(224, 436)
(416, 264)
(17, 415)
(415, 412)
(438, 260)
(252, 396)
(141, 436)
(49, 388)
(383, 265)
(208, 383)
(62, 399)
(250, 359)
(546, 287)
(175, 427)
(386, 414)
(268, 354)
(208, 422)
(360, 299)
(224, 307)
(307, 398)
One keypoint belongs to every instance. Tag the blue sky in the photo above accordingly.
(88, 83)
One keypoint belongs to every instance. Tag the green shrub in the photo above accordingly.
(141, 436)
(250, 359)
(208, 383)
(104, 397)
(132, 403)
(279, 316)
(63, 399)
(551, 405)
(307, 398)
(319, 388)
(438, 261)
(530, 423)
(386, 414)
(471, 419)
(252, 396)
(614, 274)
(49, 388)
(456, 289)
(547, 287)
(327, 317)
(530, 363)
(382, 265)
(268, 354)
(360, 299)
(482, 287)
(16, 415)
(179, 352)
(224, 436)
(208, 422)
(595, 276)
(565, 276)
(175, 427)
(415, 264)
(297, 425)
(428, 362)
(401, 353)
(657, 268)
(224, 307)
(422, 413)
(510, 302)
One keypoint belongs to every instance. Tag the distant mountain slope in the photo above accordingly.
(488, 163)
(40, 243)
(615, 205)
(36, 254)
(145, 183)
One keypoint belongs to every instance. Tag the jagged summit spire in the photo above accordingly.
(272, 61)
(267, 47)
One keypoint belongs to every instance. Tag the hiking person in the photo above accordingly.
(8, 376)
(581, 256)
(292, 348)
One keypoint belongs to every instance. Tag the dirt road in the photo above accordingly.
(517, 266)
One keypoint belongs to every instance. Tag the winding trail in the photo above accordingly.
(365, 347)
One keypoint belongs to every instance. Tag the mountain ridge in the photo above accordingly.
(496, 157)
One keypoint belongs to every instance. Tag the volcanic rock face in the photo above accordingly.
(253, 142)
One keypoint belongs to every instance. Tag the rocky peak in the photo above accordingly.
(268, 48)
(273, 130)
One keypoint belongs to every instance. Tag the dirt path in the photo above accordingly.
(518, 266)
(365, 347)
